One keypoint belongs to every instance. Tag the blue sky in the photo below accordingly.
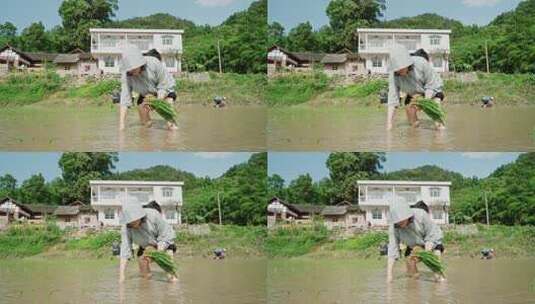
(292, 12)
(22, 165)
(24, 12)
(290, 165)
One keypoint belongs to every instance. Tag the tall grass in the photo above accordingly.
(94, 89)
(21, 240)
(28, 88)
(295, 241)
(295, 88)
(239, 89)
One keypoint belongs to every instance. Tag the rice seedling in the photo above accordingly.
(164, 109)
(431, 261)
(432, 109)
(163, 260)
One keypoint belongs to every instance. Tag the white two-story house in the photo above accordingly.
(375, 197)
(107, 45)
(109, 196)
(375, 45)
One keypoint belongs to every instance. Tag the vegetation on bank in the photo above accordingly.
(318, 89)
(508, 241)
(19, 89)
(23, 240)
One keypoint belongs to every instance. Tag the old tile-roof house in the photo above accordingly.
(346, 64)
(76, 215)
(342, 216)
(279, 58)
(77, 63)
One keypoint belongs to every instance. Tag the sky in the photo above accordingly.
(290, 165)
(22, 165)
(24, 12)
(292, 12)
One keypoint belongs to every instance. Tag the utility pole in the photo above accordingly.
(487, 55)
(487, 208)
(219, 55)
(219, 209)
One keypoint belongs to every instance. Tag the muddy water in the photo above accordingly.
(357, 281)
(86, 281)
(201, 128)
(347, 128)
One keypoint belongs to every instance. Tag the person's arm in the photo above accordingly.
(166, 234)
(126, 252)
(393, 100)
(126, 100)
(393, 252)
(433, 81)
(433, 233)
(166, 82)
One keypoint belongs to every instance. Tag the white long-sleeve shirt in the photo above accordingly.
(422, 79)
(153, 230)
(421, 230)
(154, 79)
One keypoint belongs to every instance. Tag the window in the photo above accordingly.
(169, 62)
(67, 219)
(434, 40)
(94, 194)
(170, 214)
(167, 192)
(437, 62)
(377, 62)
(334, 67)
(87, 220)
(355, 220)
(109, 214)
(377, 214)
(437, 214)
(109, 61)
(167, 40)
(434, 192)
(66, 68)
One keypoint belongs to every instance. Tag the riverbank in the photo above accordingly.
(318, 90)
(461, 241)
(20, 241)
(48, 88)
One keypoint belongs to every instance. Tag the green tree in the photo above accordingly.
(276, 34)
(345, 16)
(79, 16)
(275, 186)
(8, 33)
(34, 190)
(302, 38)
(345, 169)
(79, 168)
(35, 38)
(8, 185)
(302, 191)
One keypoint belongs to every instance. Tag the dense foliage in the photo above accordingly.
(242, 36)
(509, 190)
(241, 190)
(510, 36)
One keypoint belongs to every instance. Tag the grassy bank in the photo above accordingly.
(49, 240)
(20, 89)
(508, 241)
(320, 90)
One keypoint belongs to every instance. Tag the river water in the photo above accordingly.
(35, 280)
(363, 281)
(68, 128)
(351, 128)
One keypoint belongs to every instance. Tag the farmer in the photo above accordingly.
(414, 228)
(146, 76)
(415, 76)
(145, 227)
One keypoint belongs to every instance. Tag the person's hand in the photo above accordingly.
(161, 246)
(429, 246)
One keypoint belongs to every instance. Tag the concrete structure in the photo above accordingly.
(375, 45)
(108, 197)
(107, 45)
(375, 197)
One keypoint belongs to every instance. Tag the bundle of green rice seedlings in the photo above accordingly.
(431, 261)
(432, 109)
(163, 260)
(164, 109)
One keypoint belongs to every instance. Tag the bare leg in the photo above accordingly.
(170, 277)
(144, 114)
(411, 115)
(171, 126)
(122, 117)
(412, 270)
(144, 267)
